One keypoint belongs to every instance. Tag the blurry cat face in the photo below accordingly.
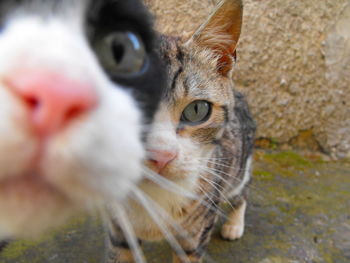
(78, 79)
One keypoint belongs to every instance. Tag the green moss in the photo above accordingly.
(17, 249)
(274, 143)
(289, 159)
(39, 249)
(261, 174)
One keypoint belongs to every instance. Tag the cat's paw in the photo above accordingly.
(232, 232)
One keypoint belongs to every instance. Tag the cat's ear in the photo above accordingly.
(221, 32)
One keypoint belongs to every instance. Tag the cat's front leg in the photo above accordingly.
(234, 226)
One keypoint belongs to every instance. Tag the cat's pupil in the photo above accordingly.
(118, 51)
(196, 108)
(196, 112)
(122, 53)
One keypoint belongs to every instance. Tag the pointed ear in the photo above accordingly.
(221, 32)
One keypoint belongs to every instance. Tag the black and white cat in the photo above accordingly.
(78, 80)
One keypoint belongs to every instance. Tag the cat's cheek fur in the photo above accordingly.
(13, 137)
(112, 176)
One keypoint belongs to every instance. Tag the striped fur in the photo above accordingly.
(213, 158)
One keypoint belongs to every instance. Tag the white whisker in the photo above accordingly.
(207, 205)
(129, 233)
(146, 203)
(213, 184)
(167, 184)
(216, 172)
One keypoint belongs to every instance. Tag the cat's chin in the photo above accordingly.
(30, 205)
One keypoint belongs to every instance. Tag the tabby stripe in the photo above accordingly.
(216, 142)
(206, 232)
(225, 110)
(197, 252)
(118, 243)
(176, 76)
(186, 87)
(180, 55)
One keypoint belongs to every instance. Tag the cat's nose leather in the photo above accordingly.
(160, 158)
(52, 98)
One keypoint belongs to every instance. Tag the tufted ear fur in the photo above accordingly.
(221, 32)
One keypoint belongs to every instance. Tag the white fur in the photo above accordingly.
(183, 170)
(245, 179)
(96, 158)
(234, 227)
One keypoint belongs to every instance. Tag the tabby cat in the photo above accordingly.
(199, 148)
(78, 80)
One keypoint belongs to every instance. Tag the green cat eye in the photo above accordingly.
(196, 112)
(121, 52)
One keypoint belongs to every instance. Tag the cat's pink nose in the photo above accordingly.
(52, 98)
(161, 158)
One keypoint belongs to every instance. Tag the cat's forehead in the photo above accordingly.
(193, 73)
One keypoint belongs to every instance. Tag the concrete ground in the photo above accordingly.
(299, 211)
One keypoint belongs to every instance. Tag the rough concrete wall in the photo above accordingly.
(293, 63)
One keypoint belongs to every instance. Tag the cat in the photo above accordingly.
(79, 80)
(199, 148)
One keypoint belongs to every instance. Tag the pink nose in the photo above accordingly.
(53, 99)
(160, 158)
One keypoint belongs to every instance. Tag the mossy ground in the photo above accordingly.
(298, 212)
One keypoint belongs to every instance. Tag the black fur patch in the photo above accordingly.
(177, 74)
(132, 15)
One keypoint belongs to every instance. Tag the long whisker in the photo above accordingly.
(238, 170)
(129, 233)
(167, 184)
(215, 186)
(176, 226)
(145, 202)
(219, 163)
(216, 206)
(217, 173)
(212, 158)
(172, 187)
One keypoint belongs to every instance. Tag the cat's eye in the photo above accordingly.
(196, 112)
(121, 53)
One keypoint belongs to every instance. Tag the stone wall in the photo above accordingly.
(293, 63)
